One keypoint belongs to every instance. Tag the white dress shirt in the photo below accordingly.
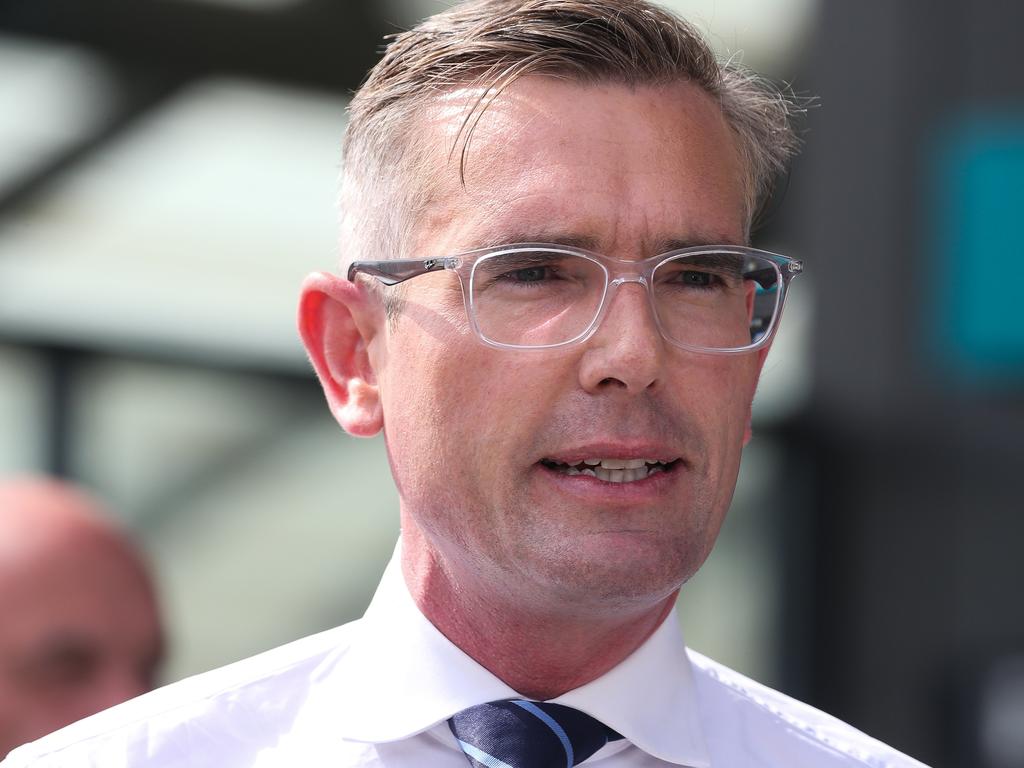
(376, 693)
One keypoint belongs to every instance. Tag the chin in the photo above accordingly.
(625, 575)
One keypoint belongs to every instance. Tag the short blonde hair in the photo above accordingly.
(491, 43)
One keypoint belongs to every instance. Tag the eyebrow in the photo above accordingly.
(540, 236)
(590, 243)
(61, 644)
(675, 244)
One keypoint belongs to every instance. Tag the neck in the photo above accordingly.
(539, 651)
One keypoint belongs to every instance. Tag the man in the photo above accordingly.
(79, 627)
(551, 312)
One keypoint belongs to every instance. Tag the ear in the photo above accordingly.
(338, 321)
(748, 432)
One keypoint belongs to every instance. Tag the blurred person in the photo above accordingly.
(79, 626)
(552, 311)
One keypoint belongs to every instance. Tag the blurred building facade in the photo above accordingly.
(168, 177)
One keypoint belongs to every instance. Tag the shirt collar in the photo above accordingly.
(650, 698)
(401, 676)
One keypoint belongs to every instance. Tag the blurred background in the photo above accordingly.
(167, 176)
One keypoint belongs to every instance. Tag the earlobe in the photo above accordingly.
(337, 324)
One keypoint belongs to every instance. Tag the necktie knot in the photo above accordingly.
(516, 733)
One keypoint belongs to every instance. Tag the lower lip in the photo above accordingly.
(654, 486)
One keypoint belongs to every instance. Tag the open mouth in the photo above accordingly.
(612, 470)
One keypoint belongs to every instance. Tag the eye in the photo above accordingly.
(535, 274)
(695, 278)
(698, 279)
(62, 664)
(701, 273)
(522, 269)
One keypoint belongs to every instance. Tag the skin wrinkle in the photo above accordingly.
(644, 149)
(545, 166)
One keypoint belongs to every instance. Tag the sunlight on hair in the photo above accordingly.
(769, 33)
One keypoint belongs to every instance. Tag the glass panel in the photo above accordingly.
(536, 298)
(704, 301)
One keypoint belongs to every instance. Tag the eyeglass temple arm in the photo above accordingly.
(396, 270)
(766, 278)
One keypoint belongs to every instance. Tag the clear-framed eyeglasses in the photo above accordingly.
(717, 299)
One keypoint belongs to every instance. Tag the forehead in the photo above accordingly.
(622, 167)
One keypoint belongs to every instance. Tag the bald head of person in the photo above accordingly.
(80, 629)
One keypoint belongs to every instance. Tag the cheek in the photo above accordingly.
(718, 397)
(469, 411)
(433, 413)
(736, 381)
(719, 392)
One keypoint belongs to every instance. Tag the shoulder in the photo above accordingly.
(750, 724)
(245, 705)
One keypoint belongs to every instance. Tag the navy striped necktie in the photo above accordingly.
(516, 733)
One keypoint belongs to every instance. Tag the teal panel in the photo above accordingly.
(976, 316)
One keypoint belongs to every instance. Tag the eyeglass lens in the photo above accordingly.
(710, 300)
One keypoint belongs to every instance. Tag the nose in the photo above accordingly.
(626, 351)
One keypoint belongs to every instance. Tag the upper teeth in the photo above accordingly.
(613, 470)
(619, 463)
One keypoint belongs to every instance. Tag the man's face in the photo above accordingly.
(79, 632)
(473, 431)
